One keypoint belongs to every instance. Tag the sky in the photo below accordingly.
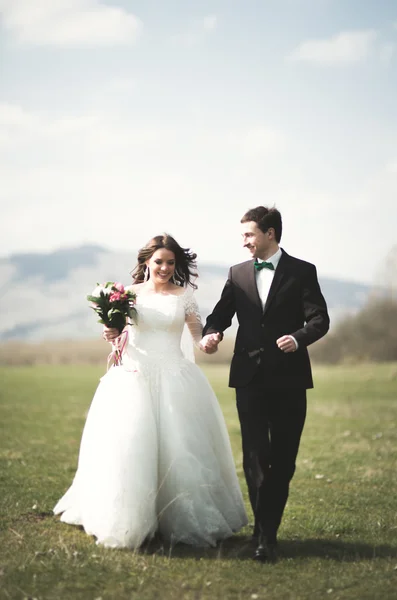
(122, 119)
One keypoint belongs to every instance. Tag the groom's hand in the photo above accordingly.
(287, 343)
(209, 343)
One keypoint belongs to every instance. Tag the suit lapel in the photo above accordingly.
(252, 289)
(279, 276)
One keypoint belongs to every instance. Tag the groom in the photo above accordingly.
(280, 311)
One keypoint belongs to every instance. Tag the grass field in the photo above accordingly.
(339, 534)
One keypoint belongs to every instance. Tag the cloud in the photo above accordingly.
(210, 23)
(68, 23)
(197, 31)
(81, 168)
(19, 127)
(97, 135)
(344, 48)
(386, 51)
(102, 177)
(258, 141)
(391, 167)
(12, 115)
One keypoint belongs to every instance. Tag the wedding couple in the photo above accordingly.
(155, 454)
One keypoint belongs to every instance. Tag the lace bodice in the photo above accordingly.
(160, 325)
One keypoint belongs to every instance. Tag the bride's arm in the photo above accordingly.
(193, 318)
(195, 327)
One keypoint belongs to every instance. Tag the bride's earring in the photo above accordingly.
(146, 275)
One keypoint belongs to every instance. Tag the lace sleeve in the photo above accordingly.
(193, 318)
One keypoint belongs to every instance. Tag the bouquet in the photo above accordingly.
(115, 307)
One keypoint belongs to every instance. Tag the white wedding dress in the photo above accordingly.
(155, 453)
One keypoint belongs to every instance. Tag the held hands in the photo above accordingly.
(209, 343)
(110, 334)
(286, 343)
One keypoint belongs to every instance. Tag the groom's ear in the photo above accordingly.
(271, 231)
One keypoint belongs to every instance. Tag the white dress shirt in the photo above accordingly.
(264, 279)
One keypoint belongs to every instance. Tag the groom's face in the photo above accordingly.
(257, 242)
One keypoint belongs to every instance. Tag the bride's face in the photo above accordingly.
(161, 265)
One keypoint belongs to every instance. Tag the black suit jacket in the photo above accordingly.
(295, 306)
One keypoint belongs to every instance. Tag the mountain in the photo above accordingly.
(43, 295)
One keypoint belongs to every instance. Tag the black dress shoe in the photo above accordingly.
(266, 550)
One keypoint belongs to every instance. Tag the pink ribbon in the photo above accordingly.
(118, 347)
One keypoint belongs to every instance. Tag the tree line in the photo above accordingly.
(368, 336)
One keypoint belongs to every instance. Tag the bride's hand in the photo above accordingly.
(209, 343)
(110, 334)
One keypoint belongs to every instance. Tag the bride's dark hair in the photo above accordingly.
(185, 260)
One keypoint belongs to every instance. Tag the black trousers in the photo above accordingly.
(271, 422)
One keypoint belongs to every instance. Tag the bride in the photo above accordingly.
(155, 453)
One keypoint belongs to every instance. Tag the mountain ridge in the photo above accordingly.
(57, 283)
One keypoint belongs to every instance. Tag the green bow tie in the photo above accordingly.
(263, 265)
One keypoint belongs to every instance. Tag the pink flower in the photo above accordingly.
(114, 297)
(119, 287)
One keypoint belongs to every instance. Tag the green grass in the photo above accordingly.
(339, 534)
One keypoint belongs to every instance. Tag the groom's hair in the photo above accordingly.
(265, 218)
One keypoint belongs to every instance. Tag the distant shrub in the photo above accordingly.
(88, 352)
(370, 335)
(54, 352)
